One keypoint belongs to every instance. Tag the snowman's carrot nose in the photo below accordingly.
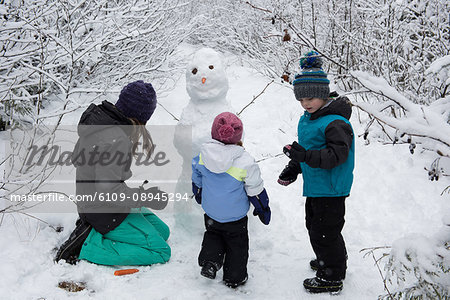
(203, 79)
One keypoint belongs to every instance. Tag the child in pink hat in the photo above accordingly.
(225, 179)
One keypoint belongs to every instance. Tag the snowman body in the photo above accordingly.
(207, 86)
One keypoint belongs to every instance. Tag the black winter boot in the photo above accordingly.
(209, 270)
(319, 285)
(70, 249)
(234, 285)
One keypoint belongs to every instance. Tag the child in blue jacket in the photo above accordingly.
(225, 179)
(324, 155)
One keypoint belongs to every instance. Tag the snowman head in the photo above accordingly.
(205, 76)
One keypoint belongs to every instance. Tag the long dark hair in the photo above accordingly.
(139, 131)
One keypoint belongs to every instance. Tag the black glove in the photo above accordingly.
(155, 198)
(290, 173)
(197, 193)
(262, 209)
(295, 152)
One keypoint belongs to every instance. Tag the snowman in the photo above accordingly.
(207, 86)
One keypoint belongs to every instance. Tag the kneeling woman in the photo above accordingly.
(120, 232)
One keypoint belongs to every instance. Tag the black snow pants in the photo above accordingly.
(226, 244)
(324, 221)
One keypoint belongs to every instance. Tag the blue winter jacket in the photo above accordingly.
(327, 135)
(228, 175)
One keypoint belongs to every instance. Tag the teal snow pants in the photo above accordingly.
(139, 240)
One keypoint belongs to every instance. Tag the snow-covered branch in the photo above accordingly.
(419, 120)
(52, 47)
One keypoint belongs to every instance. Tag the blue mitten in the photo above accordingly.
(261, 204)
(197, 193)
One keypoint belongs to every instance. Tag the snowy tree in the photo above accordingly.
(61, 49)
(396, 40)
(53, 52)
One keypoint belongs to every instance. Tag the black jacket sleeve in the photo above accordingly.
(339, 138)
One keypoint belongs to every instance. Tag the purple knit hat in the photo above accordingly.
(227, 128)
(137, 100)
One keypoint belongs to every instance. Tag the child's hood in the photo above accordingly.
(340, 106)
(219, 157)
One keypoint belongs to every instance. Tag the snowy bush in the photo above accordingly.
(424, 124)
(271, 35)
(393, 116)
(418, 267)
(67, 48)
(396, 40)
(439, 76)
(53, 52)
(391, 55)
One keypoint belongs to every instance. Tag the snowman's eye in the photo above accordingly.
(211, 67)
(194, 71)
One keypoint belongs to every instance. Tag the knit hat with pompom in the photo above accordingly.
(227, 128)
(312, 82)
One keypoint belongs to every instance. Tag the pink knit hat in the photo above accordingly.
(227, 128)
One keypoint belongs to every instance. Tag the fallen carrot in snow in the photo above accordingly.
(125, 272)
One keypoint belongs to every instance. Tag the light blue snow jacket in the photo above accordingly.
(227, 175)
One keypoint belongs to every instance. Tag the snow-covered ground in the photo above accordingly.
(391, 198)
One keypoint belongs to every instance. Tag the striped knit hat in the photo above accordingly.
(312, 82)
